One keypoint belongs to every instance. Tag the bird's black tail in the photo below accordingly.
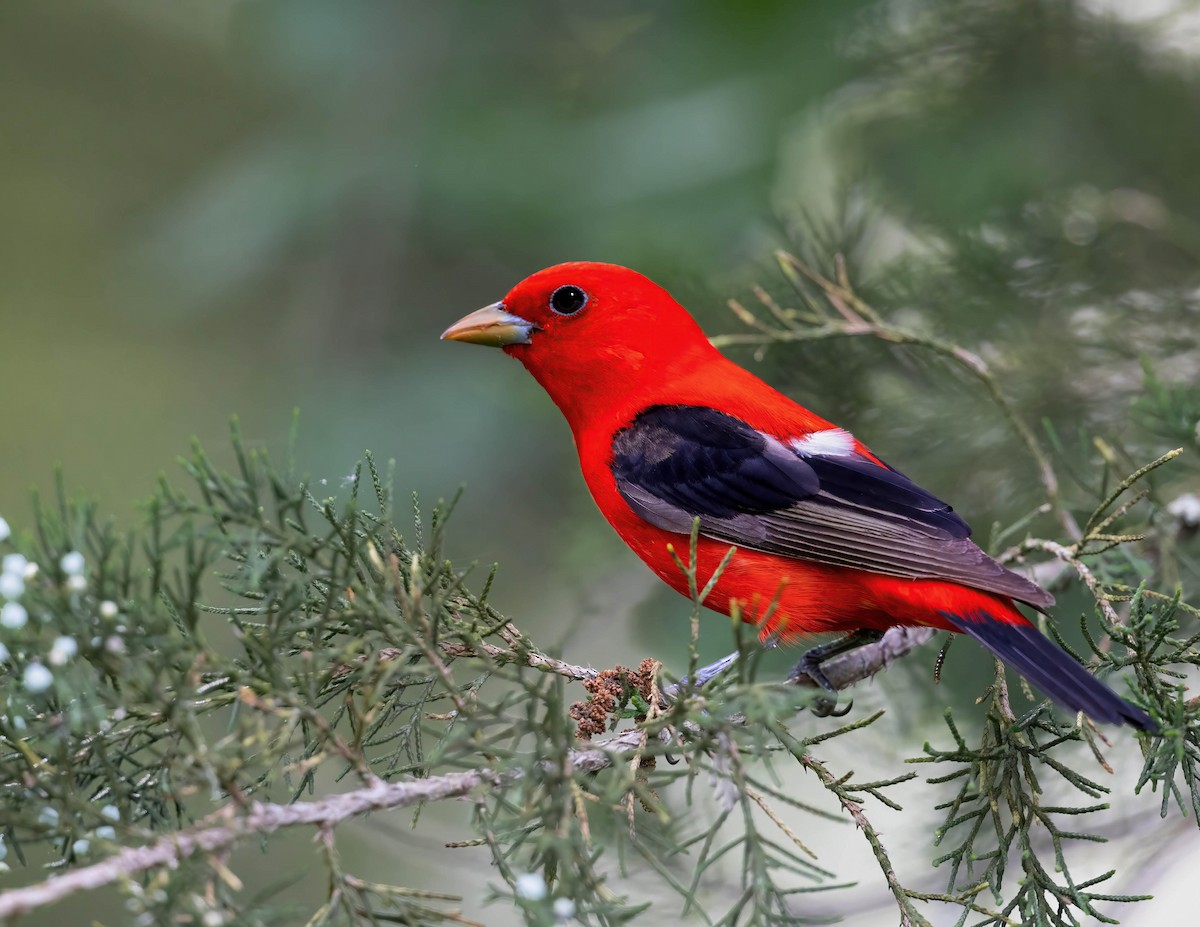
(1051, 669)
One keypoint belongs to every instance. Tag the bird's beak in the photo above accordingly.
(492, 326)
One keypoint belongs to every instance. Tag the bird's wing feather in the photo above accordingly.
(812, 499)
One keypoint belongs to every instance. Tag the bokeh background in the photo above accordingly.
(218, 207)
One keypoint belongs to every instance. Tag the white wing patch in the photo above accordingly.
(832, 442)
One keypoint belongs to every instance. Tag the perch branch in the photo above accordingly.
(225, 827)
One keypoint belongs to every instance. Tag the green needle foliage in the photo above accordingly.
(257, 658)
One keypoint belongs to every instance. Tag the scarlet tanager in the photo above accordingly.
(668, 430)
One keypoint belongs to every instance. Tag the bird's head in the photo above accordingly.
(583, 327)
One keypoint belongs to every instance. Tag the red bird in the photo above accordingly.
(668, 430)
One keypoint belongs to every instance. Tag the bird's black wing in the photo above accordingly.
(815, 498)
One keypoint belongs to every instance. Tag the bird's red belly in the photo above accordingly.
(798, 597)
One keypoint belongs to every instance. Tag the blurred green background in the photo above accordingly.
(211, 207)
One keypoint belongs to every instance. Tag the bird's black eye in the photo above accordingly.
(567, 300)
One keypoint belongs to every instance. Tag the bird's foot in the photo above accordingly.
(823, 706)
(810, 665)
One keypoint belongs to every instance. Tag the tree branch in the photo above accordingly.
(864, 662)
(261, 819)
(1070, 556)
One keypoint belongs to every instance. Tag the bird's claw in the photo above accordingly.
(823, 707)
(810, 665)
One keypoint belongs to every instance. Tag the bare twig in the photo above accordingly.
(1070, 556)
(517, 656)
(523, 656)
(225, 828)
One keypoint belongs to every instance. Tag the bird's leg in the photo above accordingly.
(810, 666)
(706, 673)
(703, 675)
